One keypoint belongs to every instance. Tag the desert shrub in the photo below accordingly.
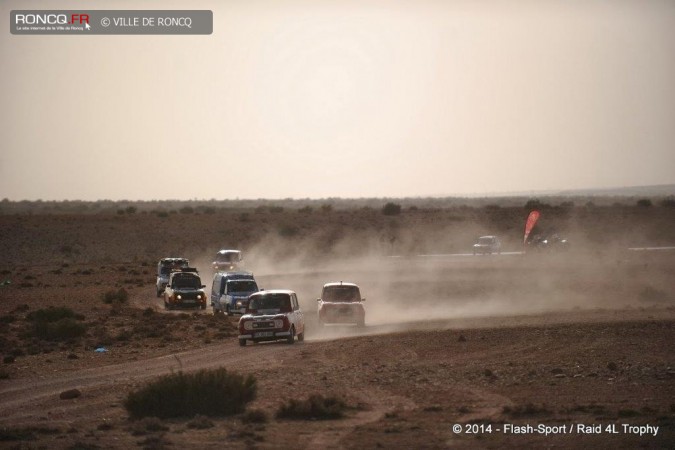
(118, 296)
(391, 209)
(163, 214)
(53, 314)
(60, 330)
(214, 392)
(305, 210)
(187, 210)
(668, 202)
(316, 407)
(130, 210)
(276, 209)
(255, 416)
(644, 202)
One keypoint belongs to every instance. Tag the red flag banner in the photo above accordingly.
(531, 221)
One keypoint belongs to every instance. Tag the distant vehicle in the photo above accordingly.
(227, 260)
(230, 291)
(553, 243)
(271, 316)
(164, 268)
(341, 303)
(487, 245)
(185, 289)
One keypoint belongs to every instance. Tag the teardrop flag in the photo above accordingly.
(531, 221)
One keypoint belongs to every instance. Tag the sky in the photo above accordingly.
(343, 98)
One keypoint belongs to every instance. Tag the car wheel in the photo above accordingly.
(242, 342)
(291, 337)
(159, 293)
(227, 310)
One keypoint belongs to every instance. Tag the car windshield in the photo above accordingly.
(187, 282)
(341, 294)
(227, 257)
(241, 286)
(168, 267)
(485, 241)
(281, 302)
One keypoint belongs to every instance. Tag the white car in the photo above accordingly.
(487, 245)
(272, 316)
(227, 260)
(341, 303)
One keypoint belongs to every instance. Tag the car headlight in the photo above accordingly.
(239, 304)
(199, 296)
(178, 297)
(278, 323)
(248, 325)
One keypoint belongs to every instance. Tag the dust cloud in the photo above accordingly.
(406, 288)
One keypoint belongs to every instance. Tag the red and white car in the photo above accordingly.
(271, 316)
(341, 303)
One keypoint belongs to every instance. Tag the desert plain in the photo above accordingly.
(548, 349)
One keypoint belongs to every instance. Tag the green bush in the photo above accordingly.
(215, 392)
(316, 407)
(118, 296)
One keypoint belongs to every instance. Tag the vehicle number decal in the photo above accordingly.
(264, 334)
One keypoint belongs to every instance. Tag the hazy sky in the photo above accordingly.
(343, 98)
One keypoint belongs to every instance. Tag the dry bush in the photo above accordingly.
(316, 407)
(214, 392)
(118, 296)
(56, 324)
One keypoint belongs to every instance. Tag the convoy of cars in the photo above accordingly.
(270, 315)
(275, 314)
(266, 315)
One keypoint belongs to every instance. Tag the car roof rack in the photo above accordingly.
(186, 269)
